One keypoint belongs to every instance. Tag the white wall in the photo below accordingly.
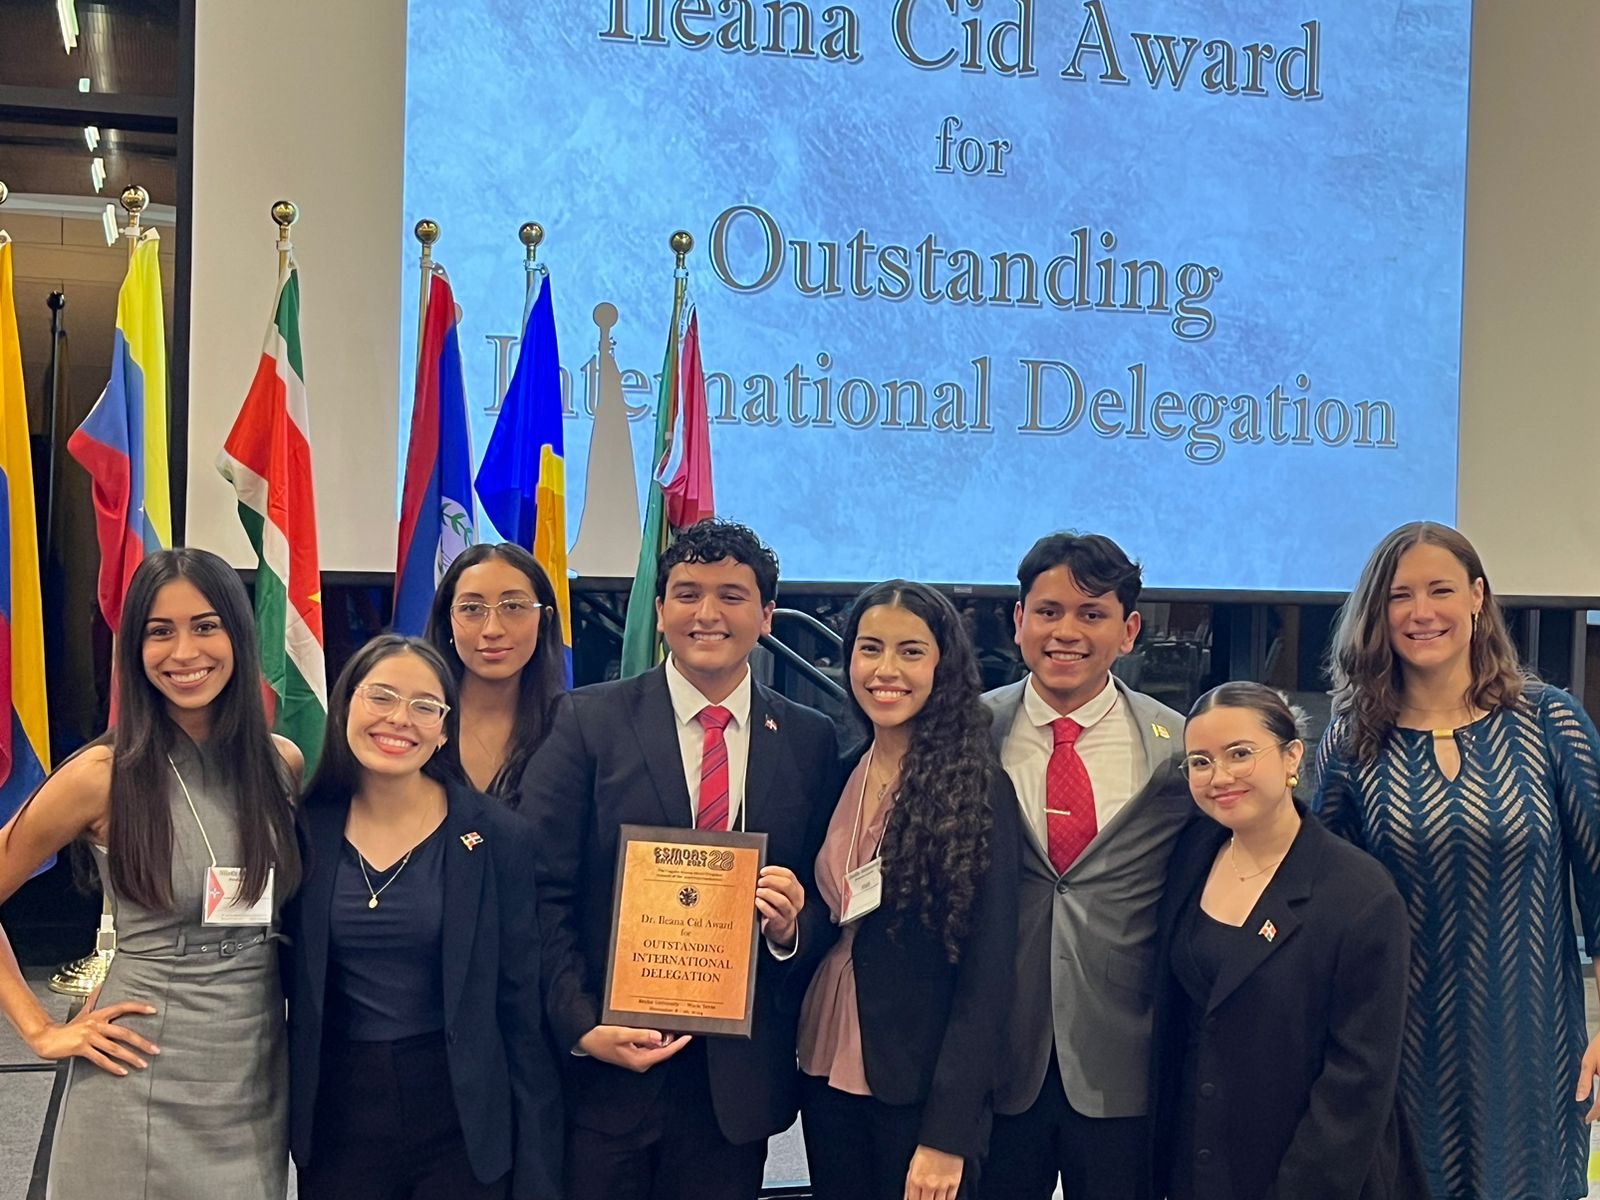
(317, 115)
(1530, 359)
(301, 100)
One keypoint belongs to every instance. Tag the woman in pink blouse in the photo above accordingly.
(901, 1028)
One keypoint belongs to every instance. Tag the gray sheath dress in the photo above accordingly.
(208, 1119)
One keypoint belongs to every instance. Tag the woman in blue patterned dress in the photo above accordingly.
(1477, 786)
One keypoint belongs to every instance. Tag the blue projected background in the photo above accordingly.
(972, 270)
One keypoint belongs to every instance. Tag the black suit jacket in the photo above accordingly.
(611, 759)
(1299, 1048)
(502, 1072)
(932, 1033)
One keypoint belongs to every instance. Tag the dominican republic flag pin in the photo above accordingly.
(1268, 930)
(772, 725)
(472, 840)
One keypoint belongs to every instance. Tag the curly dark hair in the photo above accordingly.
(936, 844)
(712, 541)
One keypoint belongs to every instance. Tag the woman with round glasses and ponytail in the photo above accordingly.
(1478, 787)
(418, 1061)
(496, 623)
(175, 1084)
(1281, 992)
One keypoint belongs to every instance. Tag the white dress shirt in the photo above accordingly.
(1107, 745)
(686, 705)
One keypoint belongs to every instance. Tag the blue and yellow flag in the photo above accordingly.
(523, 479)
(24, 715)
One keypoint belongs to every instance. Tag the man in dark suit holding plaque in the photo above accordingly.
(694, 744)
(1095, 765)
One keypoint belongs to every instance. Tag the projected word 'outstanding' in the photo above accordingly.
(749, 254)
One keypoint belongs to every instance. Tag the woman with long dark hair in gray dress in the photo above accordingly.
(176, 1084)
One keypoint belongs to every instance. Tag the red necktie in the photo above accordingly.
(1068, 798)
(713, 812)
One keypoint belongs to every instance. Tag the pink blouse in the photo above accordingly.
(830, 1027)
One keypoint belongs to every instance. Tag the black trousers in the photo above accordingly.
(387, 1129)
(679, 1153)
(1096, 1158)
(859, 1148)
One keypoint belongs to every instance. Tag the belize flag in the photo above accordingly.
(523, 479)
(122, 443)
(436, 509)
(25, 728)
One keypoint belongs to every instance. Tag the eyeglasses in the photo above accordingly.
(512, 610)
(1238, 761)
(382, 702)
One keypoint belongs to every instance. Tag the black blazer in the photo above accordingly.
(611, 759)
(932, 1033)
(1299, 1048)
(502, 1072)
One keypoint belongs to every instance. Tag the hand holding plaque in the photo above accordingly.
(684, 929)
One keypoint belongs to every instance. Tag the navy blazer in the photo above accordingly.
(502, 1073)
(1298, 1050)
(612, 758)
(933, 1032)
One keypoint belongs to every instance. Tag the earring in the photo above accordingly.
(1474, 624)
(1294, 780)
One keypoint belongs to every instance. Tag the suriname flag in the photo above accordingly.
(267, 458)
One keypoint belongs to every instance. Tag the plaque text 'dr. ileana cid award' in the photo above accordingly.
(684, 930)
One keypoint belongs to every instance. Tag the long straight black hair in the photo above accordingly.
(338, 774)
(541, 681)
(140, 843)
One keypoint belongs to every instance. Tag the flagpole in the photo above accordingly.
(427, 232)
(134, 201)
(284, 213)
(531, 234)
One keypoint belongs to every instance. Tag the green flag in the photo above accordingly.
(641, 644)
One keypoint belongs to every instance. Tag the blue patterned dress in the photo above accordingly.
(1495, 1032)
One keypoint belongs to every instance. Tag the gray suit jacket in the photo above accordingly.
(1085, 945)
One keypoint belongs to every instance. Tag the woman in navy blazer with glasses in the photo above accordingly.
(419, 1066)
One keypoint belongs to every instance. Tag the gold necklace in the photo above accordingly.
(1233, 862)
(362, 860)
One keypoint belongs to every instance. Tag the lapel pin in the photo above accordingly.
(1160, 730)
(472, 840)
(1268, 930)
(771, 724)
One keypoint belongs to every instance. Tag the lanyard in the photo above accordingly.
(193, 811)
(855, 828)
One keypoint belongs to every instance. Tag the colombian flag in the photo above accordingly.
(122, 443)
(24, 719)
(523, 479)
(436, 509)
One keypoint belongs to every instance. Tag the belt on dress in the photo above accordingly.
(225, 948)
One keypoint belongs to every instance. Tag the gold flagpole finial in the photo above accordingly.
(681, 242)
(5, 193)
(284, 214)
(427, 232)
(134, 201)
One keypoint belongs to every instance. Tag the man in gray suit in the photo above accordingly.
(1097, 773)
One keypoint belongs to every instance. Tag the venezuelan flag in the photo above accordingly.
(25, 735)
(523, 479)
(122, 443)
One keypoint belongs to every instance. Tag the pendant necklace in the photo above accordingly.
(1233, 861)
(361, 858)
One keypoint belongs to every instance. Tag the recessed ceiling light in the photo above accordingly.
(91, 137)
(67, 18)
(108, 218)
(97, 172)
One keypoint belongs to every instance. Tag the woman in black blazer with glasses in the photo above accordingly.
(419, 1066)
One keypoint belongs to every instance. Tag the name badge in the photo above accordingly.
(222, 905)
(863, 889)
